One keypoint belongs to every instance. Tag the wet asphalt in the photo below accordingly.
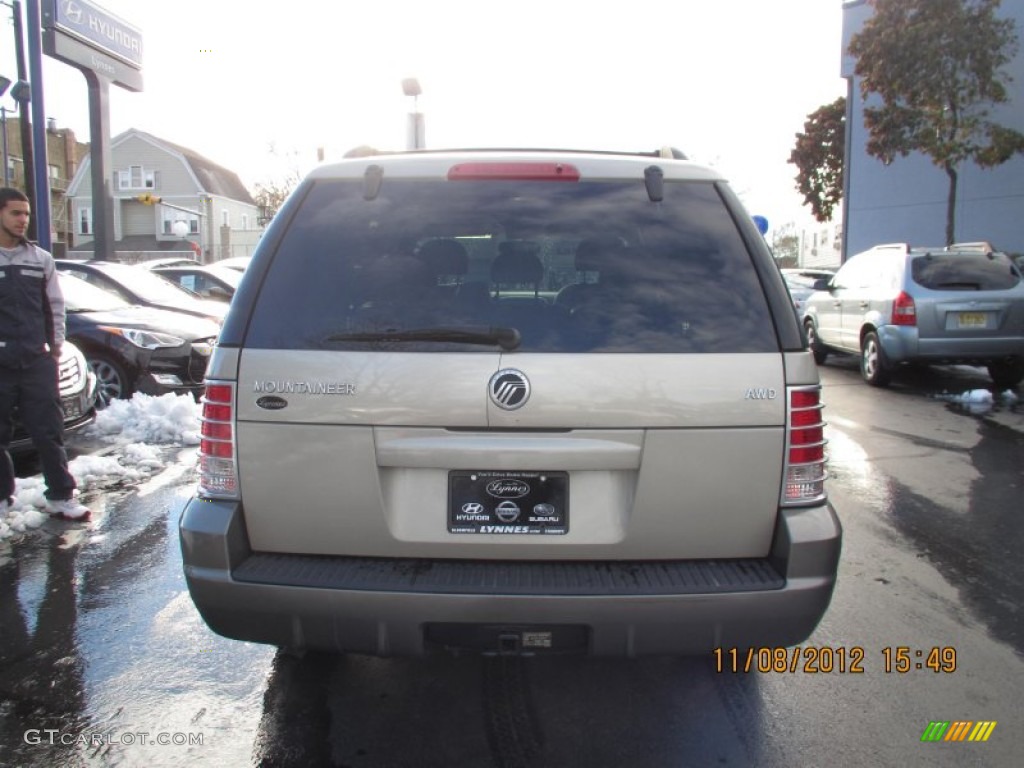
(104, 661)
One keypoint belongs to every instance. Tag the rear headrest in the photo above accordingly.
(518, 261)
(444, 257)
(600, 254)
(392, 276)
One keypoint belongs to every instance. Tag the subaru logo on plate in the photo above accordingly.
(544, 510)
(507, 511)
(509, 389)
(507, 489)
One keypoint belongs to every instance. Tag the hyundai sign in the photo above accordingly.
(87, 37)
(99, 29)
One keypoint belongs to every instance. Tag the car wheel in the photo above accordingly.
(1008, 373)
(112, 382)
(874, 366)
(817, 348)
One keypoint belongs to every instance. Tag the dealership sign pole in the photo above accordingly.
(106, 50)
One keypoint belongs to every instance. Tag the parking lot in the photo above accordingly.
(100, 639)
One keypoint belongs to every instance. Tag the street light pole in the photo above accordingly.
(415, 136)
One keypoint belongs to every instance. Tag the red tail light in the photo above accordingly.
(218, 471)
(514, 172)
(805, 474)
(904, 312)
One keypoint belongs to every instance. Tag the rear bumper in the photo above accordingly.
(411, 607)
(904, 344)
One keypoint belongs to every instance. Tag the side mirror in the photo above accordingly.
(762, 224)
(822, 284)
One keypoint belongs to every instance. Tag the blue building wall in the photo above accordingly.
(906, 201)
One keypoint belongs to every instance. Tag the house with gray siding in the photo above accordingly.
(217, 215)
(906, 200)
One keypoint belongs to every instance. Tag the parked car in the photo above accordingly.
(167, 261)
(239, 263)
(411, 443)
(210, 281)
(140, 286)
(896, 305)
(135, 348)
(78, 394)
(801, 283)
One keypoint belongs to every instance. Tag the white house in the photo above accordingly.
(820, 243)
(906, 200)
(219, 215)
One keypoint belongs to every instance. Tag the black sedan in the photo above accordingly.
(137, 349)
(137, 285)
(210, 281)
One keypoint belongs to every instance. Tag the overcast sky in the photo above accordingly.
(729, 82)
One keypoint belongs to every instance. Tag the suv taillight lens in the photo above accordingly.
(804, 478)
(904, 312)
(218, 470)
(514, 171)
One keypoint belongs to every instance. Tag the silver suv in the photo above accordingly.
(512, 402)
(894, 305)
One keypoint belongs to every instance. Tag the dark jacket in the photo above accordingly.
(32, 319)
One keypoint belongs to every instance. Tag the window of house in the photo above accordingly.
(225, 218)
(171, 216)
(136, 177)
(245, 221)
(85, 221)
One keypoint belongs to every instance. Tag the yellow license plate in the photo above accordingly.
(971, 320)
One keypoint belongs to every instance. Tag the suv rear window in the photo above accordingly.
(963, 272)
(575, 267)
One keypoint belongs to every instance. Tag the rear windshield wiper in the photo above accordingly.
(507, 338)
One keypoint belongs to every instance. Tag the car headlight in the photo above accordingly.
(145, 339)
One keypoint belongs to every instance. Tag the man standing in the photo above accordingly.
(31, 334)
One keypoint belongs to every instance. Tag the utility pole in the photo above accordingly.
(42, 217)
(25, 125)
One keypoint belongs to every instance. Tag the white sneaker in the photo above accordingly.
(69, 509)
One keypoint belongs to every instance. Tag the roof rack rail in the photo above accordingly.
(981, 245)
(671, 153)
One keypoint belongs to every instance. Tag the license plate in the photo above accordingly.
(508, 503)
(72, 407)
(971, 320)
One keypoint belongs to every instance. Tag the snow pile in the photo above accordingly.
(974, 397)
(981, 401)
(167, 419)
(136, 428)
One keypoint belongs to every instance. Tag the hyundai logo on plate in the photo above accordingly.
(509, 389)
(472, 508)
